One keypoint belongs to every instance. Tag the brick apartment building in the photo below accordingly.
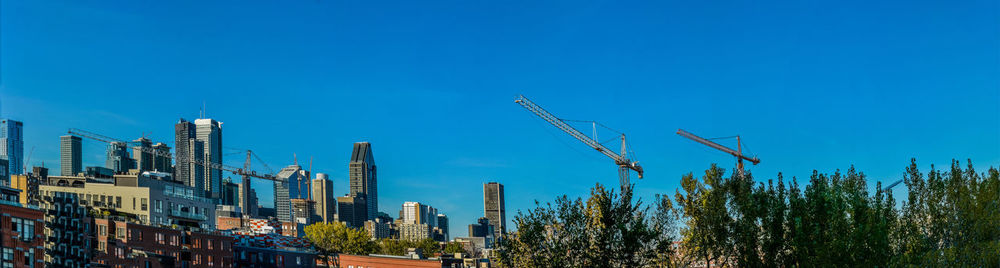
(22, 231)
(122, 243)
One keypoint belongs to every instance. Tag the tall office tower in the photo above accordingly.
(70, 155)
(251, 201)
(351, 210)
(143, 155)
(289, 184)
(161, 160)
(363, 177)
(414, 213)
(209, 132)
(12, 145)
(118, 158)
(4, 174)
(230, 193)
(188, 150)
(442, 224)
(495, 208)
(322, 193)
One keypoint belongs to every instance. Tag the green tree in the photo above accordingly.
(453, 247)
(608, 230)
(334, 238)
(703, 206)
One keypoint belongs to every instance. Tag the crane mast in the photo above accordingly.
(738, 153)
(621, 159)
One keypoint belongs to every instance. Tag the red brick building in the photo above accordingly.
(121, 243)
(380, 261)
(22, 228)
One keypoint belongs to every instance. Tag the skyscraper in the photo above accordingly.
(209, 132)
(287, 186)
(363, 177)
(70, 155)
(188, 150)
(322, 193)
(118, 158)
(442, 226)
(12, 145)
(162, 160)
(351, 210)
(495, 208)
(143, 155)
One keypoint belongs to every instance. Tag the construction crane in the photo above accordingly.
(887, 188)
(738, 153)
(621, 159)
(246, 172)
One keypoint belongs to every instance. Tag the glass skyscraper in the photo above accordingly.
(12, 145)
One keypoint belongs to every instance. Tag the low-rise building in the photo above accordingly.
(22, 235)
(387, 261)
(269, 250)
(153, 200)
(123, 242)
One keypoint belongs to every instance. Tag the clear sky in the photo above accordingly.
(808, 84)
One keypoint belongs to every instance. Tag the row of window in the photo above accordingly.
(24, 228)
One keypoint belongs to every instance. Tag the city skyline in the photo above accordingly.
(440, 106)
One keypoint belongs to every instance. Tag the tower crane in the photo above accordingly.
(738, 153)
(244, 172)
(621, 159)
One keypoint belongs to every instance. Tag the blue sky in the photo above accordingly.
(808, 84)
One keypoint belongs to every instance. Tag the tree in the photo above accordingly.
(334, 238)
(454, 247)
(703, 206)
(608, 230)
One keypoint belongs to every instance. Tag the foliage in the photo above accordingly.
(608, 230)
(454, 247)
(335, 238)
(398, 247)
(949, 218)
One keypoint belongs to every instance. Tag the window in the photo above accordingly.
(118, 201)
(209, 243)
(8, 257)
(159, 238)
(102, 229)
(143, 203)
(158, 207)
(120, 232)
(25, 228)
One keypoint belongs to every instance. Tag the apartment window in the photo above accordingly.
(118, 201)
(102, 229)
(143, 203)
(158, 206)
(101, 245)
(25, 228)
(8, 257)
(120, 232)
(209, 243)
(159, 238)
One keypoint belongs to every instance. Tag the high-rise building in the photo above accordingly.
(143, 154)
(252, 206)
(442, 227)
(209, 132)
(322, 193)
(304, 211)
(118, 158)
(351, 210)
(482, 228)
(364, 182)
(230, 193)
(68, 228)
(12, 145)
(288, 185)
(162, 160)
(188, 151)
(70, 155)
(495, 208)
(414, 213)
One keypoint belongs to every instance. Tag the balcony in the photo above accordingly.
(186, 215)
